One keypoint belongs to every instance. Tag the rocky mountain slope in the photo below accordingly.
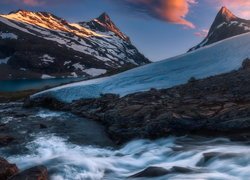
(42, 45)
(225, 25)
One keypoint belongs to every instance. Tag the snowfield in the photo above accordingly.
(221, 57)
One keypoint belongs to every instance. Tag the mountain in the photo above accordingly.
(42, 45)
(225, 25)
(218, 58)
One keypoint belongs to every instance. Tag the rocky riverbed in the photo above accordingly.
(21, 131)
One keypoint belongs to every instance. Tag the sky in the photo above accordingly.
(158, 28)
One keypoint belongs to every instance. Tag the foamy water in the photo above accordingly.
(68, 161)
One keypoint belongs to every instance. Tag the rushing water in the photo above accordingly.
(26, 84)
(76, 158)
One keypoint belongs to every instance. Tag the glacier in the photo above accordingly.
(217, 58)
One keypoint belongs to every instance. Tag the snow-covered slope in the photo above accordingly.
(225, 25)
(214, 59)
(97, 44)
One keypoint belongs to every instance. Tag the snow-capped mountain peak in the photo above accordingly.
(104, 24)
(225, 25)
(104, 18)
(226, 13)
(79, 48)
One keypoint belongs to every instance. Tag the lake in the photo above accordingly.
(27, 84)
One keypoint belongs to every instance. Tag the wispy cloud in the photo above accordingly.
(202, 33)
(172, 11)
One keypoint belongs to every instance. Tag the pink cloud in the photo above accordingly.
(240, 7)
(31, 2)
(202, 33)
(172, 11)
(27, 2)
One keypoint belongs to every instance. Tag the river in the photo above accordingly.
(74, 148)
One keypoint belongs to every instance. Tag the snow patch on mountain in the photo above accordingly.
(47, 58)
(217, 58)
(4, 60)
(95, 72)
(46, 76)
(8, 35)
(78, 66)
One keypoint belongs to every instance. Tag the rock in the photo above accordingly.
(246, 64)
(6, 169)
(192, 80)
(207, 157)
(43, 126)
(6, 140)
(151, 172)
(35, 173)
(182, 170)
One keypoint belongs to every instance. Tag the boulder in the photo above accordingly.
(6, 169)
(246, 64)
(43, 126)
(151, 172)
(35, 173)
(6, 140)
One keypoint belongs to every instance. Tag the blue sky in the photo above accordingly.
(157, 36)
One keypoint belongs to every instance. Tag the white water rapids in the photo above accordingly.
(69, 161)
(61, 149)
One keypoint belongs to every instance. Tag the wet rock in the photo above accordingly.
(6, 140)
(43, 126)
(35, 173)
(246, 64)
(212, 155)
(6, 169)
(151, 172)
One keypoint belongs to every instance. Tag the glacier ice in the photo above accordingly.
(217, 58)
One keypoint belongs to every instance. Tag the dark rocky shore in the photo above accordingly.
(218, 105)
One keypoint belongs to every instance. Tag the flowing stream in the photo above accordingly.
(74, 148)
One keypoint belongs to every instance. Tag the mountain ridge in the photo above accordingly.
(79, 51)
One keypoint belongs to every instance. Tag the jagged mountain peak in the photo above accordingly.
(103, 23)
(223, 16)
(104, 18)
(225, 25)
(225, 12)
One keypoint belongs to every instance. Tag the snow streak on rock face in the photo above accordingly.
(221, 57)
(225, 25)
(8, 36)
(97, 44)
